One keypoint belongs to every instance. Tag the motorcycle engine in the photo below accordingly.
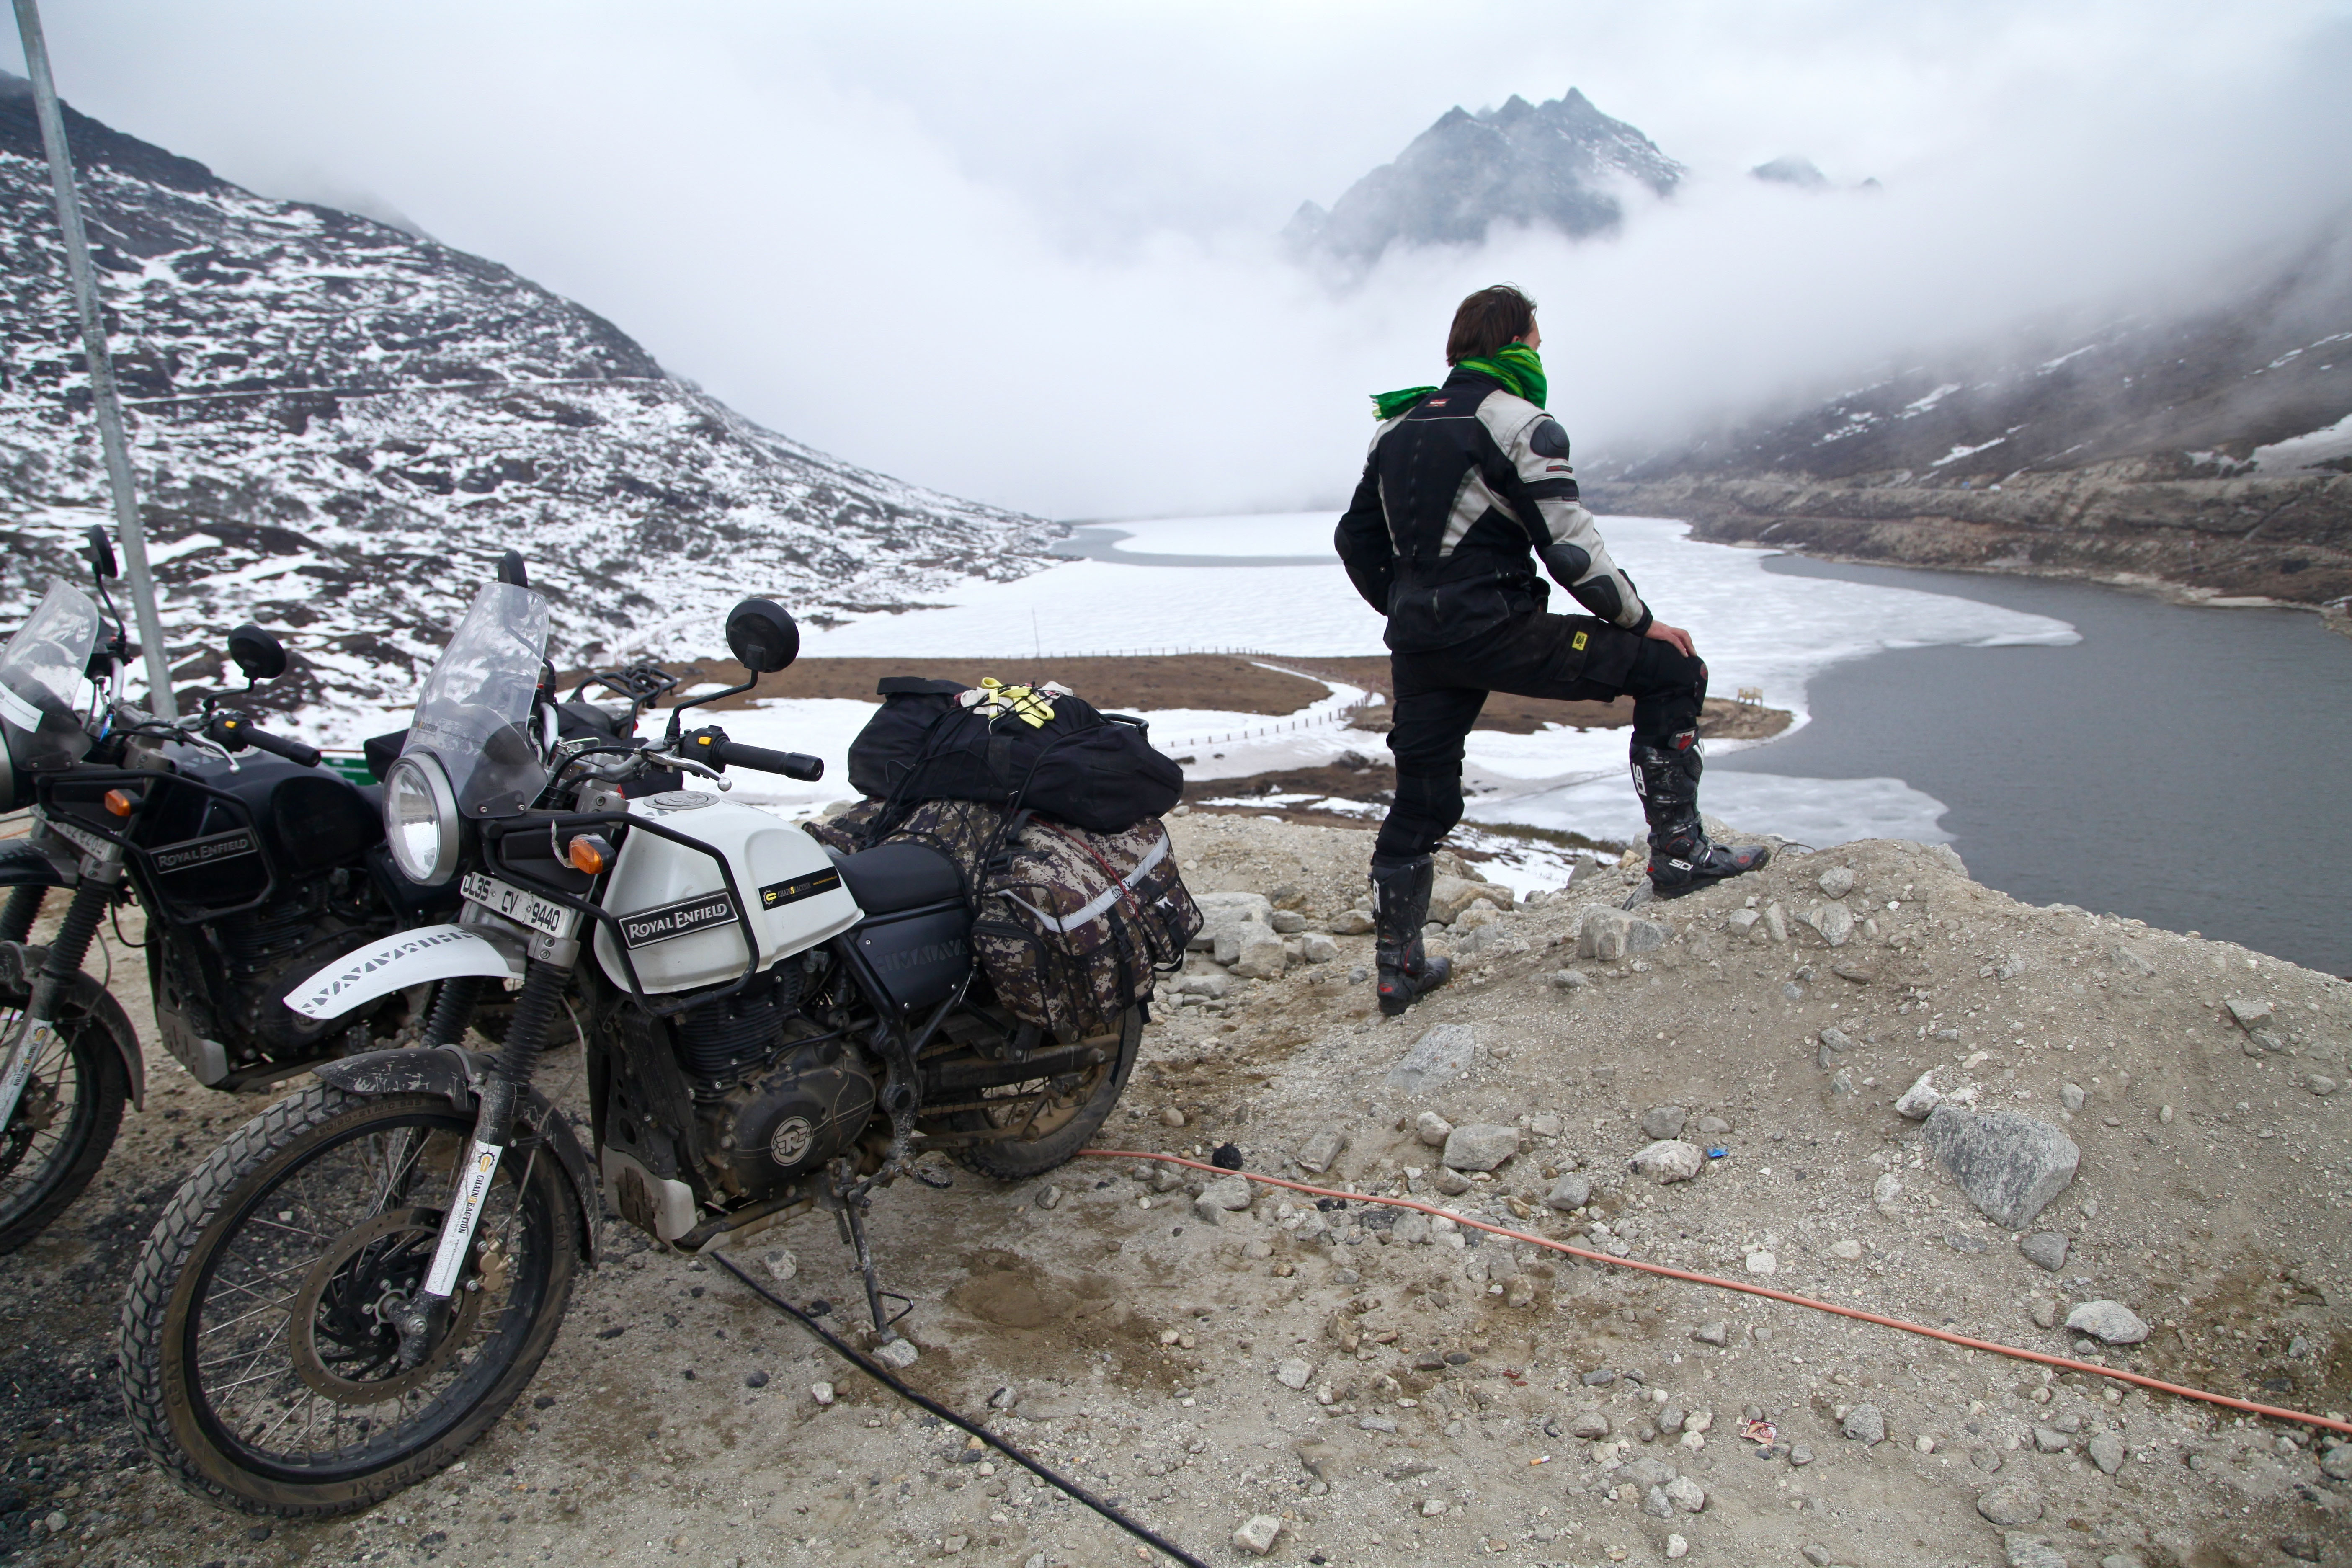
(773, 1101)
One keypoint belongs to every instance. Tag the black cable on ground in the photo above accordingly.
(883, 1376)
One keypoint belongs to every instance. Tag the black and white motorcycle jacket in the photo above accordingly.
(1458, 493)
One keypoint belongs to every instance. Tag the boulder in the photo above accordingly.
(1439, 1056)
(1570, 1191)
(2109, 1320)
(1480, 1147)
(1449, 896)
(1669, 1159)
(1611, 935)
(2008, 1164)
(1259, 954)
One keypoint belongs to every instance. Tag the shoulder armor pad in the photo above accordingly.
(1548, 439)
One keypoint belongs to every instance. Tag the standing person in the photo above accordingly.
(1464, 483)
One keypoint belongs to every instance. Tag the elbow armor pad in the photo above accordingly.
(1601, 596)
(1567, 563)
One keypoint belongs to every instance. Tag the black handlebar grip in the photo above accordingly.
(713, 746)
(237, 733)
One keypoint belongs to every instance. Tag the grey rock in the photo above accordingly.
(1664, 1121)
(1255, 1534)
(2302, 1548)
(2046, 1247)
(1570, 1191)
(2249, 1013)
(1316, 948)
(1375, 1423)
(1713, 1126)
(2009, 1165)
(1686, 1494)
(1288, 922)
(1841, 1081)
(1318, 1153)
(1712, 1333)
(1431, 1128)
(1599, 1377)
(1450, 896)
(2109, 1320)
(1439, 1056)
(1481, 1146)
(1917, 1102)
(1259, 954)
(2106, 1451)
(1865, 1423)
(1776, 924)
(2120, 1560)
(2336, 1463)
(1410, 1229)
(1450, 1182)
(1570, 980)
(1743, 921)
(1294, 1372)
(1669, 1159)
(2071, 1096)
(2297, 1348)
(2031, 1551)
(1818, 1556)
(1544, 1124)
(1590, 1425)
(2047, 1441)
(2010, 1505)
(1232, 1194)
(2320, 1084)
(1800, 1456)
(1834, 921)
(1671, 1418)
(1836, 882)
(1836, 1039)
(1647, 1472)
(1609, 936)
(1655, 1504)
(1352, 923)
(900, 1352)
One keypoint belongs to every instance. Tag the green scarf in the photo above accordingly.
(1519, 367)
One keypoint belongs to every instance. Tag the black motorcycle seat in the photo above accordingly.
(893, 877)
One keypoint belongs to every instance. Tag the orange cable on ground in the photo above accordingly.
(2067, 1363)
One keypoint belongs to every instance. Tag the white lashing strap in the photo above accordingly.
(1061, 924)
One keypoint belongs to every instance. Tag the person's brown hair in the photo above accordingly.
(1486, 321)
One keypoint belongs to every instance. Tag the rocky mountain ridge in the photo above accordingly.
(1557, 165)
(2211, 449)
(339, 426)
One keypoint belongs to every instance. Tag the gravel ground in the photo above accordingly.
(1402, 1396)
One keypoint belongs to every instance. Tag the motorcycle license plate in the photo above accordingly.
(518, 905)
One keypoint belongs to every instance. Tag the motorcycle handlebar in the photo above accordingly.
(235, 732)
(712, 746)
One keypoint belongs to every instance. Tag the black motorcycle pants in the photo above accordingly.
(1575, 658)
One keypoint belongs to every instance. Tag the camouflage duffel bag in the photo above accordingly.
(965, 831)
(1074, 926)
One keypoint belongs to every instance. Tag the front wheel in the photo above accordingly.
(65, 1119)
(1049, 1119)
(266, 1363)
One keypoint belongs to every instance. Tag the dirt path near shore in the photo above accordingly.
(1389, 1394)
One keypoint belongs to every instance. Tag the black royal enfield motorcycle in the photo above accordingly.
(358, 1284)
(251, 863)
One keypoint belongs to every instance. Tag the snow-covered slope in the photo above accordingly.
(339, 427)
(1557, 164)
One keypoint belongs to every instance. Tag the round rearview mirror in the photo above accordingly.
(101, 555)
(512, 570)
(256, 652)
(762, 635)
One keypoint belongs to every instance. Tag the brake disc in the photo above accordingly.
(343, 1309)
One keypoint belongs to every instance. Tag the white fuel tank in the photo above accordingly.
(672, 905)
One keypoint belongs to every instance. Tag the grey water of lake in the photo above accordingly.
(2186, 765)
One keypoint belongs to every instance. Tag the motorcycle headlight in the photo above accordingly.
(420, 820)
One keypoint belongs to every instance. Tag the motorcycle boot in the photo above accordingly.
(1682, 859)
(1400, 906)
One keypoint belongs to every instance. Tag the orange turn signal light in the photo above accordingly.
(121, 802)
(588, 853)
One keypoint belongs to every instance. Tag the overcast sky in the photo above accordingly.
(1025, 253)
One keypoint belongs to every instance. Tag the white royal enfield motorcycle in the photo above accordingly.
(352, 1289)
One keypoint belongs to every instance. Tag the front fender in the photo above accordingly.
(24, 864)
(416, 957)
(452, 1074)
(85, 999)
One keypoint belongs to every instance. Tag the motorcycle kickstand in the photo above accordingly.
(849, 1214)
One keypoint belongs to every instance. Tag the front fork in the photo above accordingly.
(36, 1034)
(536, 1008)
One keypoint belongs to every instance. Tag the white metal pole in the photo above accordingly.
(101, 364)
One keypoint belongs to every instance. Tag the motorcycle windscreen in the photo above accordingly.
(42, 673)
(473, 715)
